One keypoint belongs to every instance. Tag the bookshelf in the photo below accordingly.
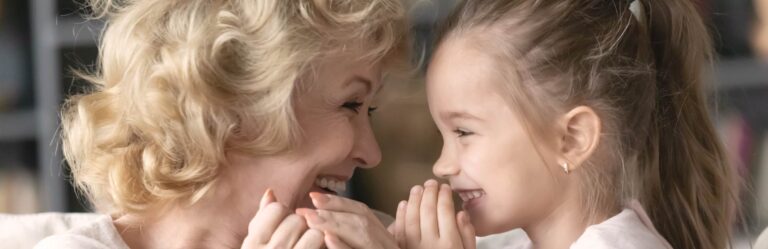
(55, 34)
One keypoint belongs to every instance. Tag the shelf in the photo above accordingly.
(76, 31)
(741, 74)
(17, 126)
(427, 13)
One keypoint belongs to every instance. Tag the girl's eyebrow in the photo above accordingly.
(449, 115)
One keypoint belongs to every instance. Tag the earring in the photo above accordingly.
(565, 168)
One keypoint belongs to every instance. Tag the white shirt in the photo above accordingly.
(630, 229)
(99, 234)
(102, 234)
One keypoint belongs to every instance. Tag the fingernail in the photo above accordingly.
(266, 198)
(318, 198)
(430, 183)
(445, 187)
(464, 217)
(416, 190)
(303, 211)
(402, 204)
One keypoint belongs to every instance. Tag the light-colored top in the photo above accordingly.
(99, 234)
(102, 234)
(630, 229)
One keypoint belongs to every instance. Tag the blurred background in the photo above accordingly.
(42, 40)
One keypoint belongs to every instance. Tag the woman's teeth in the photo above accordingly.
(331, 184)
(470, 195)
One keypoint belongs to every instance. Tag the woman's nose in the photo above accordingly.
(366, 149)
(446, 166)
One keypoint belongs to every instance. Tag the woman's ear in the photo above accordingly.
(581, 129)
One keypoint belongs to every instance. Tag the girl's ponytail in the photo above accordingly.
(688, 186)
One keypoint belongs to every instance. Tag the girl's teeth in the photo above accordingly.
(467, 196)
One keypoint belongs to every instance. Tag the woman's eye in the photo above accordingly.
(372, 109)
(353, 106)
(462, 132)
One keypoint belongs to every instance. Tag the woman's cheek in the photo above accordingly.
(336, 146)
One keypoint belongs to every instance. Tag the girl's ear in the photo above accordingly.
(580, 135)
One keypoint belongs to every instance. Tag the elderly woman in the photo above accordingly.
(200, 106)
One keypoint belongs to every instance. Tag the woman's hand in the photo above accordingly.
(274, 226)
(428, 220)
(347, 223)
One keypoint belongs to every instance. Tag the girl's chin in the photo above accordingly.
(493, 225)
(487, 229)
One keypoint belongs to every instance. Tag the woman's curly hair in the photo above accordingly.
(180, 82)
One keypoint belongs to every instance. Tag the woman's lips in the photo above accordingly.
(335, 184)
(318, 189)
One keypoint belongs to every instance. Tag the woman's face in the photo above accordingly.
(488, 155)
(332, 110)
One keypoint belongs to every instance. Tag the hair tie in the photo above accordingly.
(638, 10)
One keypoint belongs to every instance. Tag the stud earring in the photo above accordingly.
(565, 168)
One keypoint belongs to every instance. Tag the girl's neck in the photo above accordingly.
(561, 227)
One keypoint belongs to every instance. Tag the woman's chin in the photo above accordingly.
(305, 202)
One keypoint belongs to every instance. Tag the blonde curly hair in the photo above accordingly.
(181, 82)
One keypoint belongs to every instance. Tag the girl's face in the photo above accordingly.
(488, 154)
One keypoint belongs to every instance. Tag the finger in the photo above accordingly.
(339, 204)
(311, 239)
(351, 228)
(266, 198)
(260, 229)
(428, 210)
(446, 215)
(412, 220)
(288, 232)
(400, 224)
(263, 225)
(466, 230)
(333, 242)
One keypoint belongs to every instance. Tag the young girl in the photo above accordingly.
(583, 122)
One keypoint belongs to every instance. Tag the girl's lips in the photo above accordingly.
(470, 197)
(468, 205)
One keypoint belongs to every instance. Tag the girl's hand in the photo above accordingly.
(428, 220)
(347, 223)
(274, 226)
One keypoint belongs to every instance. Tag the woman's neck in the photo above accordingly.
(206, 224)
(561, 227)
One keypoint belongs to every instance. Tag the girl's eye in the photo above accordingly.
(462, 132)
(372, 109)
(353, 106)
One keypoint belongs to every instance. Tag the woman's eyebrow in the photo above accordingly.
(360, 79)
